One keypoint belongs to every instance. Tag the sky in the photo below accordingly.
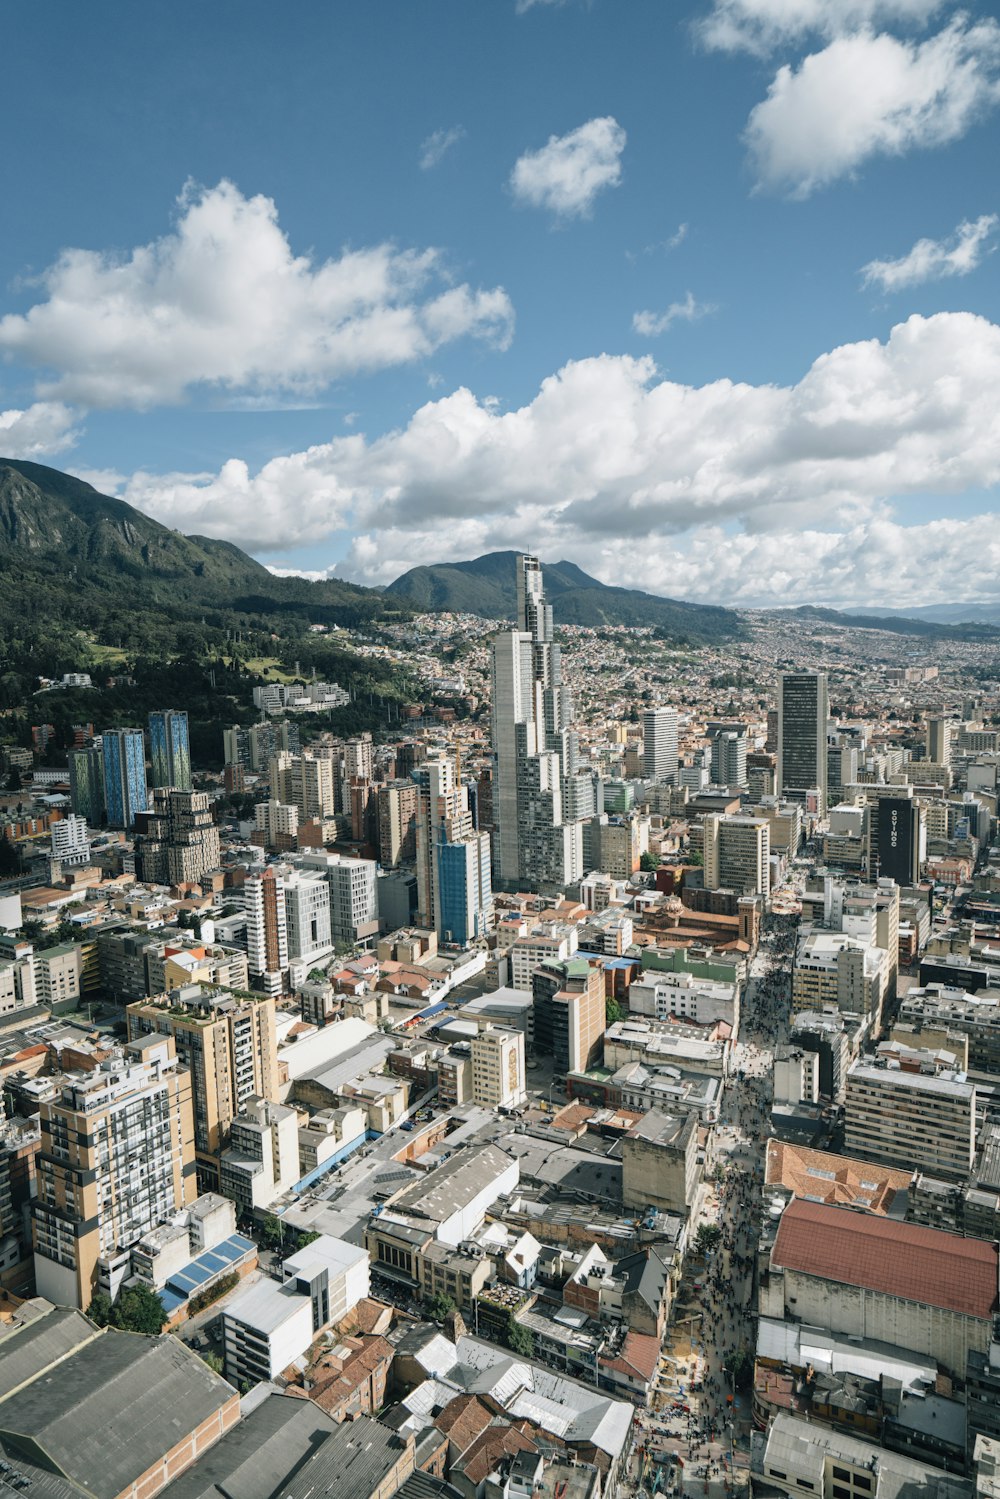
(703, 297)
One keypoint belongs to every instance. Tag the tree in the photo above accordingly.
(612, 1010)
(138, 1309)
(439, 1306)
(520, 1339)
(214, 1362)
(100, 1309)
(707, 1237)
(695, 859)
(739, 1367)
(10, 859)
(270, 1233)
(649, 862)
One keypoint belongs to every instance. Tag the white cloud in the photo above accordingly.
(761, 26)
(875, 561)
(521, 6)
(222, 301)
(104, 480)
(867, 95)
(652, 324)
(567, 173)
(678, 237)
(609, 454)
(436, 146)
(45, 428)
(933, 259)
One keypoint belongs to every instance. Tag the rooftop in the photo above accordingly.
(896, 1259)
(836, 1179)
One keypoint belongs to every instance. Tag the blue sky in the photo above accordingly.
(701, 296)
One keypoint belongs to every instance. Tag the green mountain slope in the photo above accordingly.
(896, 624)
(487, 586)
(73, 551)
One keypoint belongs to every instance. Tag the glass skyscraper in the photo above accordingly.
(86, 784)
(124, 754)
(803, 716)
(170, 750)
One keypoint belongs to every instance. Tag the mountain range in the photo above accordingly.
(487, 586)
(69, 548)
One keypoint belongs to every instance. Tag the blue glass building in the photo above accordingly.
(124, 754)
(464, 888)
(170, 749)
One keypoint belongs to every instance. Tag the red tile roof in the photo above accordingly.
(895, 1259)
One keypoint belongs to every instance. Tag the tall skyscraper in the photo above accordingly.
(454, 882)
(939, 741)
(659, 744)
(176, 840)
(117, 1159)
(535, 748)
(229, 1045)
(86, 784)
(729, 757)
(124, 754)
(803, 714)
(170, 749)
(267, 929)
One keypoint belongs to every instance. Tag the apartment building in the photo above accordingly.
(267, 929)
(737, 854)
(570, 1013)
(117, 1157)
(177, 840)
(229, 1044)
(912, 1120)
(261, 1162)
(498, 1068)
(833, 969)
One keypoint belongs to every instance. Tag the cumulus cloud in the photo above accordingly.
(434, 149)
(875, 561)
(567, 173)
(934, 259)
(222, 301)
(38, 431)
(762, 26)
(609, 453)
(870, 95)
(652, 324)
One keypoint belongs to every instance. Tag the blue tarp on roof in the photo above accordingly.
(442, 1004)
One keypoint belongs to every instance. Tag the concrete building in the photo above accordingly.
(938, 741)
(307, 915)
(570, 1013)
(228, 1044)
(660, 1163)
(353, 898)
(802, 1457)
(71, 840)
(117, 1158)
(267, 929)
(911, 1120)
(803, 717)
(498, 1068)
(737, 854)
(535, 749)
(177, 840)
(839, 971)
(868, 1276)
(396, 810)
(261, 1162)
(659, 744)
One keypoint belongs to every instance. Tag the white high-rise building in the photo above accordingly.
(939, 741)
(729, 757)
(307, 913)
(535, 747)
(659, 744)
(70, 840)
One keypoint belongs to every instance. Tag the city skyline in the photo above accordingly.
(679, 312)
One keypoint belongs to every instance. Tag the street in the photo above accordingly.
(696, 1440)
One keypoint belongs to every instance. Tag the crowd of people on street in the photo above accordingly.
(705, 1422)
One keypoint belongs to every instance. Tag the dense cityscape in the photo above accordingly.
(581, 1084)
